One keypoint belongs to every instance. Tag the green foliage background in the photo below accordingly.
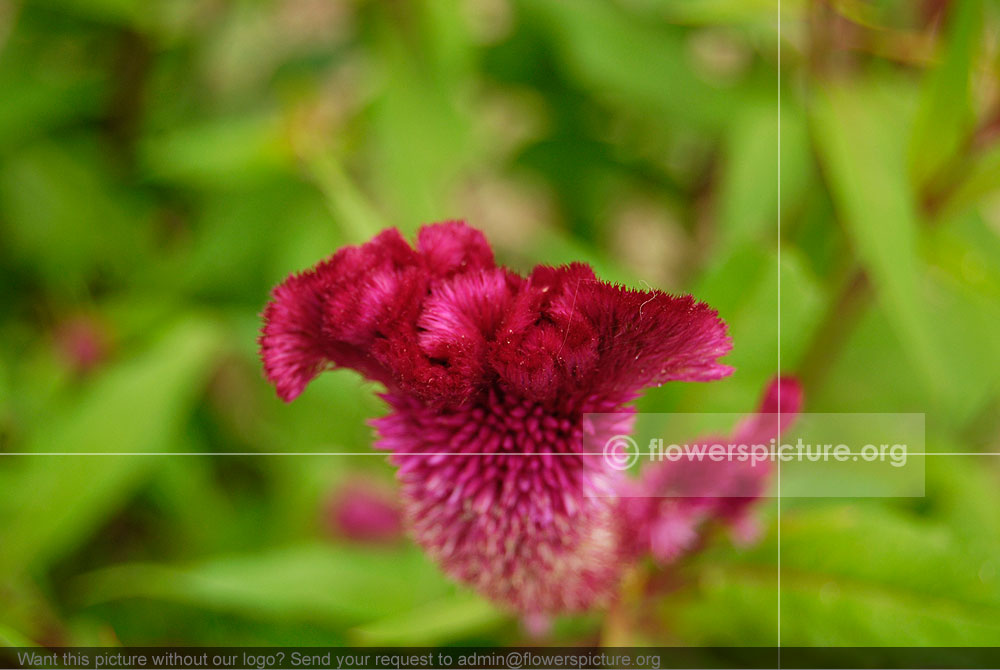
(163, 164)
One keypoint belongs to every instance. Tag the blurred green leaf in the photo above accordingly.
(974, 353)
(965, 494)
(855, 133)
(27, 612)
(323, 584)
(237, 252)
(186, 496)
(423, 136)
(873, 370)
(11, 638)
(714, 12)
(63, 218)
(608, 51)
(945, 115)
(56, 501)
(915, 557)
(748, 190)
(219, 153)
(441, 622)
(967, 249)
(35, 103)
(979, 180)
(912, 587)
(351, 210)
(124, 12)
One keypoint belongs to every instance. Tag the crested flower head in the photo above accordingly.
(487, 375)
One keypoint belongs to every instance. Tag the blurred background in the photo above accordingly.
(163, 164)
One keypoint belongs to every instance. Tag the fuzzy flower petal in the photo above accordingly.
(454, 248)
(329, 316)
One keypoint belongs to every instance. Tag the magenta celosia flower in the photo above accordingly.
(364, 512)
(487, 375)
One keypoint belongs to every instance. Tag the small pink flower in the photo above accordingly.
(362, 512)
(487, 375)
(668, 507)
(83, 342)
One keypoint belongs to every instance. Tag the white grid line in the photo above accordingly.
(779, 331)
(703, 458)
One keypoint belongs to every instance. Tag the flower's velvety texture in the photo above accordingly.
(487, 375)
